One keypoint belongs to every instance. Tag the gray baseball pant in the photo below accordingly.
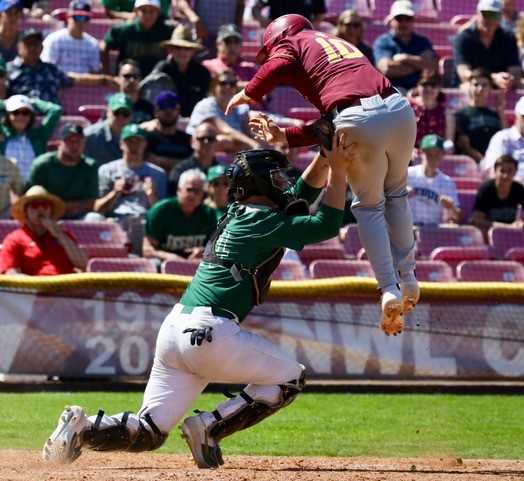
(384, 131)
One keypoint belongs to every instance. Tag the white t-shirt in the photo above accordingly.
(70, 54)
(506, 141)
(425, 197)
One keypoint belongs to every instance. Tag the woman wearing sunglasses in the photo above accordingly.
(22, 140)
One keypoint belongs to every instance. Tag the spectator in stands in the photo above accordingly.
(40, 247)
(3, 79)
(510, 15)
(229, 46)
(180, 226)
(166, 144)
(10, 16)
(485, 44)
(11, 184)
(204, 144)
(217, 190)
(190, 78)
(520, 40)
(401, 54)
(498, 199)
(477, 123)
(124, 9)
(508, 141)
(140, 39)
(129, 77)
(102, 141)
(71, 49)
(130, 186)
(432, 194)
(312, 9)
(350, 27)
(22, 138)
(429, 105)
(28, 75)
(234, 133)
(68, 173)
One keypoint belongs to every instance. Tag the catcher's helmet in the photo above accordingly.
(278, 29)
(259, 172)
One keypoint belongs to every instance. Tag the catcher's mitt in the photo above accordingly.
(324, 130)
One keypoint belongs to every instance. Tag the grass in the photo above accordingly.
(315, 424)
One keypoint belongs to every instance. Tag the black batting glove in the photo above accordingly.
(198, 336)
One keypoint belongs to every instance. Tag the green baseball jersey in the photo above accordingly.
(250, 237)
(174, 231)
(75, 182)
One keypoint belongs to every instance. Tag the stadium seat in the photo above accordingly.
(7, 226)
(515, 254)
(44, 26)
(180, 267)
(450, 8)
(339, 268)
(289, 270)
(434, 271)
(352, 244)
(252, 32)
(454, 255)
(110, 264)
(459, 166)
(467, 201)
(459, 20)
(249, 50)
(93, 113)
(446, 68)
(304, 113)
(490, 271)
(431, 237)
(335, 7)
(329, 249)
(502, 239)
(467, 183)
(76, 96)
(66, 119)
(99, 239)
(98, 27)
(283, 99)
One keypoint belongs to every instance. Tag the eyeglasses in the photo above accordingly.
(122, 113)
(81, 18)
(352, 24)
(404, 18)
(24, 113)
(35, 204)
(488, 15)
(207, 138)
(194, 190)
(230, 83)
(131, 76)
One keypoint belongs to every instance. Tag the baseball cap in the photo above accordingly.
(519, 106)
(229, 30)
(489, 6)
(79, 7)
(132, 130)
(166, 100)
(7, 4)
(31, 32)
(120, 101)
(215, 172)
(145, 3)
(432, 141)
(71, 129)
(400, 7)
(17, 102)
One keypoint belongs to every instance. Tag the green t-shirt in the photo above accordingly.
(128, 6)
(248, 239)
(174, 231)
(132, 41)
(77, 182)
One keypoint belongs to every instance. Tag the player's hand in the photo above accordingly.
(198, 336)
(266, 130)
(343, 152)
(238, 99)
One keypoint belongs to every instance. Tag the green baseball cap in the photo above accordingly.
(432, 141)
(215, 172)
(120, 101)
(132, 130)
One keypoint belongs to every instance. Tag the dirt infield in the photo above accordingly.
(26, 466)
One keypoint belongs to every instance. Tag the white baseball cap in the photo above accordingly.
(17, 102)
(489, 6)
(519, 106)
(401, 7)
(144, 3)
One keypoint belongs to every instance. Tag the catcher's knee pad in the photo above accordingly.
(119, 437)
(248, 409)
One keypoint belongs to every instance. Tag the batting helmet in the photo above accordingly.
(259, 172)
(280, 28)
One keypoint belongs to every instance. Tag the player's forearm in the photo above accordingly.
(316, 173)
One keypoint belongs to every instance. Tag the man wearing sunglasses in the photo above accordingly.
(128, 79)
(485, 44)
(103, 138)
(71, 49)
(401, 54)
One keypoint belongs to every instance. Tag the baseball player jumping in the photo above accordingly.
(355, 98)
(201, 341)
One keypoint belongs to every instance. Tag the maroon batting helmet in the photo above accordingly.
(280, 28)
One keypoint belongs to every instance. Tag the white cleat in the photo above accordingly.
(205, 450)
(392, 322)
(410, 295)
(63, 446)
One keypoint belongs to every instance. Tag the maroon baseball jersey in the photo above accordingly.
(325, 69)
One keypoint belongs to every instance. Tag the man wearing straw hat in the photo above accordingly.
(40, 247)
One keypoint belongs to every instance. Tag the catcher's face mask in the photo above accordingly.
(279, 180)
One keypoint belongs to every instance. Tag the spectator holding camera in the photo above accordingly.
(22, 139)
(40, 247)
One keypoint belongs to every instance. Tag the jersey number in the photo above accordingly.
(337, 50)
